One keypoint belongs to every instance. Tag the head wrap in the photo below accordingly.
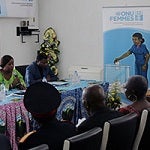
(42, 100)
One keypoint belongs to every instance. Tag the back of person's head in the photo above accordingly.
(139, 36)
(93, 97)
(42, 100)
(41, 56)
(136, 87)
(4, 60)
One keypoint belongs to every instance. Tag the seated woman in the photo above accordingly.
(136, 89)
(9, 76)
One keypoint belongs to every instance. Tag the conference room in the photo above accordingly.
(90, 38)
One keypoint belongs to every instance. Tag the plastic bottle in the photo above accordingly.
(2, 92)
(76, 78)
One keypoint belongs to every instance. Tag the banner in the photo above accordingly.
(119, 24)
(17, 8)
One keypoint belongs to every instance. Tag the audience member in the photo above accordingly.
(93, 98)
(42, 100)
(9, 76)
(39, 70)
(4, 143)
(136, 89)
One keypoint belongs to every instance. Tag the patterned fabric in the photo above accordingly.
(9, 115)
(128, 109)
(72, 99)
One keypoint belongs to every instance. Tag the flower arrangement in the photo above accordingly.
(113, 99)
(50, 48)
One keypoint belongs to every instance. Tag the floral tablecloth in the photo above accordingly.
(10, 116)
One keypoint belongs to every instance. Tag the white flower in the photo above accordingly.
(113, 97)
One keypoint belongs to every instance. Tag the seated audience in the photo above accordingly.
(93, 98)
(42, 100)
(4, 143)
(136, 89)
(39, 70)
(9, 76)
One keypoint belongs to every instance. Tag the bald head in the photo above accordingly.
(93, 97)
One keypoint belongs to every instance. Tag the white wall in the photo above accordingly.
(78, 27)
(23, 53)
(78, 24)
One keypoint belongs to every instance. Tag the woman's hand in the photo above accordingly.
(116, 60)
(17, 84)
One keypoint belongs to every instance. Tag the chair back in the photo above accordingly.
(145, 140)
(140, 130)
(119, 133)
(89, 140)
(40, 147)
(22, 69)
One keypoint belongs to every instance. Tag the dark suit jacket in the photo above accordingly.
(98, 119)
(53, 134)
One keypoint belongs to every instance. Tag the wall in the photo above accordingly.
(77, 24)
(79, 28)
(23, 53)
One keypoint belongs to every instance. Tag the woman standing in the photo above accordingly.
(141, 54)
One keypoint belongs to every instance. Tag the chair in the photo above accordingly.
(22, 69)
(40, 147)
(89, 140)
(145, 140)
(119, 133)
(141, 129)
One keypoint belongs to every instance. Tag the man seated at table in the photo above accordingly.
(42, 100)
(93, 98)
(39, 70)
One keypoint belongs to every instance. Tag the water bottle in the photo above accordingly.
(2, 92)
(76, 78)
